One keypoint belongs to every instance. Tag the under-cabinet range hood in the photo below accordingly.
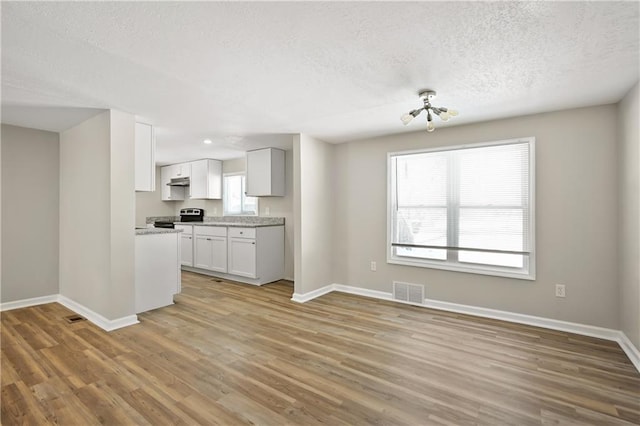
(180, 181)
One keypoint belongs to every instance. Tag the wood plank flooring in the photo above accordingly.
(229, 353)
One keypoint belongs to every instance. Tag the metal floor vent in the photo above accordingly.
(74, 318)
(412, 293)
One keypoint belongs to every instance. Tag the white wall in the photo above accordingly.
(313, 165)
(30, 171)
(575, 217)
(629, 218)
(151, 204)
(122, 215)
(96, 211)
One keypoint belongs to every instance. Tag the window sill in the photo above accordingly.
(529, 276)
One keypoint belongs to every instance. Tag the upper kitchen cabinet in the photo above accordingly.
(172, 193)
(206, 179)
(182, 170)
(265, 173)
(145, 163)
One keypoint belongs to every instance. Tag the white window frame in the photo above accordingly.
(530, 261)
(224, 197)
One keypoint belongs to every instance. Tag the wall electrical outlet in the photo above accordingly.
(560, 290)
(374, 266)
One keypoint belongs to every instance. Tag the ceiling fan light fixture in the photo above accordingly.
(207, 141)
(427, 96)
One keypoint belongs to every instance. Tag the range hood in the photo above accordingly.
(180, 181)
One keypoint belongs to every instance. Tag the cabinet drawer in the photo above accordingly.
(214, 231)
(242, 232)
(186, 229)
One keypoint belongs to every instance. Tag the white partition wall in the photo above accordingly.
(97, 215)
(313, 213)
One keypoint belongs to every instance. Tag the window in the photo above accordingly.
(234, 200)
(466, 208)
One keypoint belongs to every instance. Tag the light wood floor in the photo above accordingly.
(229, 353)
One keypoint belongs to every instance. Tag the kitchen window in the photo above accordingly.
(465, 208)
(234, 200)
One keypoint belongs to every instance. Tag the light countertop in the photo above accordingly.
(230, 224)
(150, 231)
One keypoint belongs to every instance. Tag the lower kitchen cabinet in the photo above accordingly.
(157, 270)
(210, 248)
(242, 257)
(254, 255)
(186, 245)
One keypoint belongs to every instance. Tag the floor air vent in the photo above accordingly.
(74, 318)
(412, 293)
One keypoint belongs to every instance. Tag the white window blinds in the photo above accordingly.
(465, 206)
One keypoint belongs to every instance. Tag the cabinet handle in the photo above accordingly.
(253, 244)
(208, 239)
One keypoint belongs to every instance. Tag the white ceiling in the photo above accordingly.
(250, 74)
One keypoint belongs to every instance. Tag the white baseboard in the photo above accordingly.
(359, 291)
(629, 348)
(583, 329)
(553, 324)
(25, 303)
(301, 298)
(97, 319)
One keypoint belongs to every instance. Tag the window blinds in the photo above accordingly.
(474, 198)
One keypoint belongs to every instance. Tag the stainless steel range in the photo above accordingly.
(186, 215)
(191, 215)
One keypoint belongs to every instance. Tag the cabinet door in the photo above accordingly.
(165, 178)
(219, 254)
(199, 173)
(181, 170)
(203, 252)
(186, 250)
(145, 172)
(211, 253)
(242, 257)
(265, 172)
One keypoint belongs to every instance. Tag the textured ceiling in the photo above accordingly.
(248, 74)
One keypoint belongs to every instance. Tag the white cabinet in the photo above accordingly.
(253, 255)
(210, 251)
(171, 193)
(256, 253)
(145, 163)
(186, 244)
(157, 270)
(242, 254)
(265, 172)
(181, 170)
(206, 179)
